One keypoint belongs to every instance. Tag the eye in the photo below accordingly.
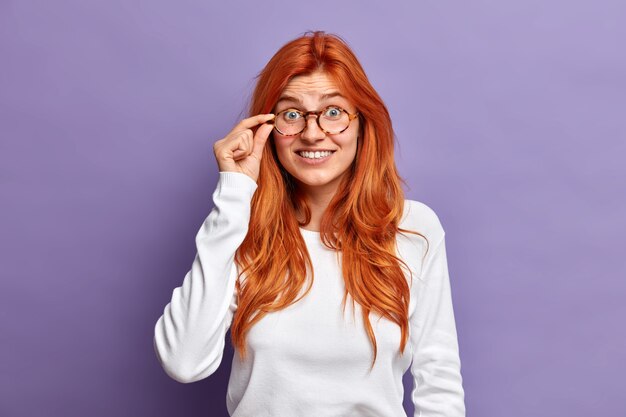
(332, 113)
(291, 115)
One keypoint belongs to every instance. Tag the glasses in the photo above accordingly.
(331, 120)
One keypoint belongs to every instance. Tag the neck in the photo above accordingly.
(317, 199)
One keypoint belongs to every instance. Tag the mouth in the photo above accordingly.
(314, 155)
(314, 159)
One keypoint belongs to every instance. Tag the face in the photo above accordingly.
(306, 93)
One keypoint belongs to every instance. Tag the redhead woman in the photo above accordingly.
(332, 284)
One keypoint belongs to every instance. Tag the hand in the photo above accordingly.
(241, 149)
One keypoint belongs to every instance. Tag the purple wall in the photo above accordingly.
(510, 119)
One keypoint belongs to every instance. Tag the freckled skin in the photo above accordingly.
(319, 182)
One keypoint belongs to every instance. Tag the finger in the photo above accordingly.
(239, 140)
(249, 141)
(243, 143)
(239, 154)
(253, 121)
(260, 138)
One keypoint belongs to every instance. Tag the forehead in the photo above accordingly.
(311, 87)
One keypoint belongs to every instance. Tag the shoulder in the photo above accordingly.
(416, 249)
(420, 217)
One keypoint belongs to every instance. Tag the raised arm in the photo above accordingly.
(189, 336)
(436, 366)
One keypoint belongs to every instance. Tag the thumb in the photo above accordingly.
(260, 137)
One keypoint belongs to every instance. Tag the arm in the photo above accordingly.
(189, 336)
(436, 366)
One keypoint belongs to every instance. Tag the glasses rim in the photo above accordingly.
(351, 117)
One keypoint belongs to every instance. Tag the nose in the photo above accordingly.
(312, 130)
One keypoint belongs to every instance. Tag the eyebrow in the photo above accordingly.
(287, 97)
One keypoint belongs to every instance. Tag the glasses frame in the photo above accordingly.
(317, 114)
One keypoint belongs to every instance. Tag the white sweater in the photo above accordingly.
(309, 359)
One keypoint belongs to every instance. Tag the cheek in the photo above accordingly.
(348, 144)
(353, 147)
(283, 146)
(349, 140)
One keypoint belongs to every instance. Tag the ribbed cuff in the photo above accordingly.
(236, 180)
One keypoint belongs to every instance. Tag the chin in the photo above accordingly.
(317, 182)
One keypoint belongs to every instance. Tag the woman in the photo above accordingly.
(310, 221)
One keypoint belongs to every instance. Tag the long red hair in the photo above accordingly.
(361, 220)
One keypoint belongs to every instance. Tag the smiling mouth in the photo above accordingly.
(315, 155)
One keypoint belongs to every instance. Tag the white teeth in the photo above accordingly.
(314, 155)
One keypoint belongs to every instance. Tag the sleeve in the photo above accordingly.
(436, 366)
(189, 336)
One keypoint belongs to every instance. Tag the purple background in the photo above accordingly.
(510, 119)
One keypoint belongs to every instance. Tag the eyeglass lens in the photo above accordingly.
(332, 120)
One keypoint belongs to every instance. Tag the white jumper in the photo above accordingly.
(311, 360)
